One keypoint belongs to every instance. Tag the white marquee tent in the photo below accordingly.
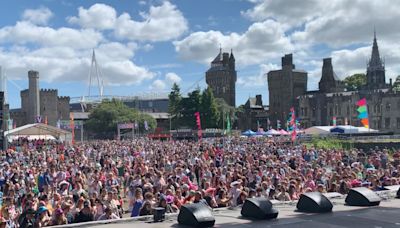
(340, 129)
(318, 130)
(39, 131)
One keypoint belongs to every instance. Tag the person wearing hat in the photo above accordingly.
(59, 218)
(42, 217)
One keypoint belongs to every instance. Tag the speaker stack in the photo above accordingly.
(196, 215)
(362, 197)
(314, 202)
(259, 208)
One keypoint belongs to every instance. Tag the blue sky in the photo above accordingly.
(145, 46)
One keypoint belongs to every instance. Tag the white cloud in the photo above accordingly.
(147, 47)
(261, 42)
(287, 12)
(161, 23)
(25, 32)
(98, 16)
(172, 78)
(38, 16)
(64, 54)
(259, 80)
(65, 64)
(157, 85)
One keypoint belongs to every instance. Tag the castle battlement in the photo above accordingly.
(64, 98)
(49, 91)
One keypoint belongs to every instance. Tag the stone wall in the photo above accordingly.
(63, 108)
(49, 105)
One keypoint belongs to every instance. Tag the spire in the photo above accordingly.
(232, 57)
(375, 61)
(218, 58)
(375, 68)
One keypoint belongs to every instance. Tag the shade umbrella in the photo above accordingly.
(272, 132)
(249, 133)
(283, 132)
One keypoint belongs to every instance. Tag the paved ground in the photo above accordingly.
(385, 215)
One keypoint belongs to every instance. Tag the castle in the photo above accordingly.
(40, 105)
(221, 77)
(287, 88)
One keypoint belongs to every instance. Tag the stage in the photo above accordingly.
(385, 215)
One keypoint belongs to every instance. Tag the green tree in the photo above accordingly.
(103, 119)
(189, 106)
(175, 104)
(225, 109)
(396, 84)
(355, 81)
(209, 109)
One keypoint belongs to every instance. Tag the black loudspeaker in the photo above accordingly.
(159, 214)
(398, 194)
(196, 214)
(362, 197)
(258, 208)
(314, 202)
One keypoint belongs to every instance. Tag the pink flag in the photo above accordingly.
(362, 102)
(294, 135)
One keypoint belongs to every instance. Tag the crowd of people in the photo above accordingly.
(46, 183)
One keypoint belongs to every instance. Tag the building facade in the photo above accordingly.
(284, 87)
(331, 101)
(221, 77)
(40, 104)
(254, 115)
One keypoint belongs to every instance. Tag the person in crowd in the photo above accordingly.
(86, 214)
(108, 214)
(140, 174)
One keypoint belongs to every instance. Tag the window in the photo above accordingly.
(339, 110)
(387, 122)
(313, 112)
(348, 110)
(302, 111)
(331, 111)
(306, 111)
(387, 106)
(398, 122)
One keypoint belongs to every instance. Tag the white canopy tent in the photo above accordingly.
(318, 130)
(39, 131)
(340, 129)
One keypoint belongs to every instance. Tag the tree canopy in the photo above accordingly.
(396, 84)
(104, 119)
(355, 81)
(182, 110)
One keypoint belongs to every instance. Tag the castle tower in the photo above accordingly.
(329, 81)
(284, 87)
(376, 69)
(34, 97)
(221, 77)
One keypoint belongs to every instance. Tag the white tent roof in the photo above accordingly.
(318, 130)
(366, 130)
(39, 129)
